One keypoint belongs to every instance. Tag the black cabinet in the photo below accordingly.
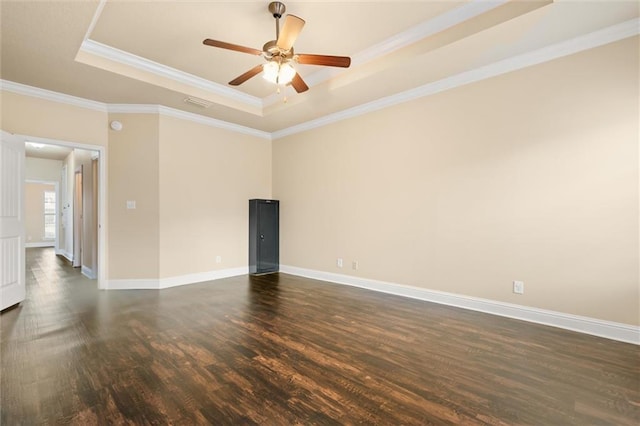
(264, 244)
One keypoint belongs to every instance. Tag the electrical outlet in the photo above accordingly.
(218, 259)
(354, 265)
(518, 287)
(339, 262)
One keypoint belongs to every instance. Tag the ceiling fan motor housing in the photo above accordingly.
(277, 9)
(272, 50)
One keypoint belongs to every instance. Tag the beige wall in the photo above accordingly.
(207, 176)
(532, 175)
(30, 116)
(34, 211)
(191, 184)
(42, 169)
(219, 171)
(134, 176)
(529, 176)
(53, 120)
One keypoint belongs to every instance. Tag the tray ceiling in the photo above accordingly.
(132, 52)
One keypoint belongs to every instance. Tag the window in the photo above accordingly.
(49, 215)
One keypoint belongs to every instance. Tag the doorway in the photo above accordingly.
(82, 207)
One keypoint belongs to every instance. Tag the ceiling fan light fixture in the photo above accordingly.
(279, 68)
(270, 71)
(287, 72)
(278, 73)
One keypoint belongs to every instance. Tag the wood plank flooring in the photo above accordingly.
(284, 350)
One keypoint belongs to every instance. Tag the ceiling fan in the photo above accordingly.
(279, 53)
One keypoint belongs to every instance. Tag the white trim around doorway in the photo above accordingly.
(102, 197)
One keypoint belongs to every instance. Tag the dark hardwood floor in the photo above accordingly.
(284, 350)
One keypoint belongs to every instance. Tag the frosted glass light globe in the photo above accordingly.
(278, 73)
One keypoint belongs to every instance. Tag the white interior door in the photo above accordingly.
(12, 269)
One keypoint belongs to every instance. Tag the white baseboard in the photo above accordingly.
(133, 284)
(41, 244)
(202, 276)
(65, 254)
(608, 329)
(88, 272)
(161, 283)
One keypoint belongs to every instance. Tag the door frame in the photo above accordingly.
(102, 197)
(78, 216)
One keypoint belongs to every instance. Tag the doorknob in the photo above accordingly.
(261, 237)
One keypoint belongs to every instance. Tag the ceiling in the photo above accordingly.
(151, 52)
(46, 151)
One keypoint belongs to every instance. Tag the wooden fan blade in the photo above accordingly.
(246, 76)
(299, 84)
(331, 61)
(290, 32)
(230, 46)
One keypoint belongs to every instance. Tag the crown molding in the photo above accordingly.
(592, 40)
(94, 20)
(578, 44)
(133, 109)
(110, 53)
(91, 49)
(188, 116)
(212, 122)
(35, 92)
(396, 42)
(428, 28)
(418, 32)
